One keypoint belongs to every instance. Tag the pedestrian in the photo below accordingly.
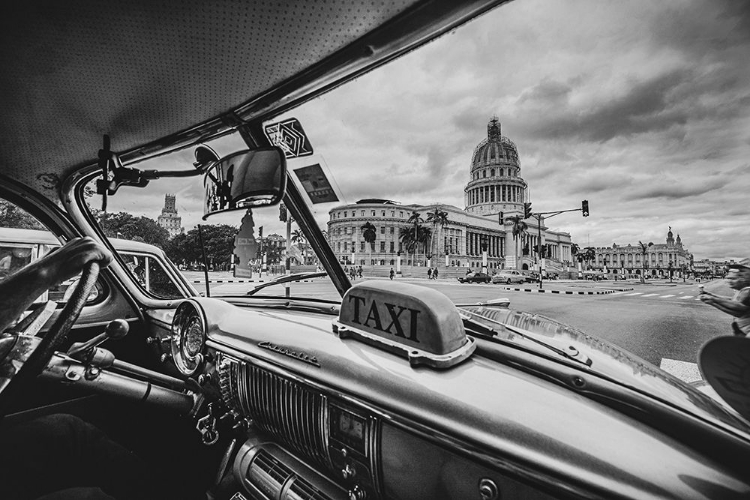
(429, 273)
(392, 273)
(359, 272)
(353, 273)
(435, 273)
(738, 278)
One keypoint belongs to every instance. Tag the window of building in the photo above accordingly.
(492, 172)
(393, 213)
(373, 213)
(382, 246)
(382, 229)
(393, 246)
(383, 213)
(361, 246)
(401, 214)
(392, 229)
(363, 213)
(484, 173)
(346, 246)
(345, 213)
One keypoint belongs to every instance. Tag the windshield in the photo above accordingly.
(600, 156)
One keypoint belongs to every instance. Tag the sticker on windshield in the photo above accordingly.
(316, 184)
(290, 137)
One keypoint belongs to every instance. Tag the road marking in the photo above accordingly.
(650, 294)
(636, 293)
(665, 296)
(687, 297)
(685, 371)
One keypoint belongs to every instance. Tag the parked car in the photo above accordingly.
(475, 277)
(378, 390)
(508, 276)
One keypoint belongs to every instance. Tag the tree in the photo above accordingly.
(575, 251)
(644, 255)
(218, 242)
(438, 218)
(298, 238)
(126, 226)
(369, 233)
(407, 238)
(15, 217)
(519, 230)
(416, 220)
(589, 254)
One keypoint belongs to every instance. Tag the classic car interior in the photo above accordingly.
(392, 392)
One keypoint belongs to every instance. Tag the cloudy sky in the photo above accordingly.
(641, 107)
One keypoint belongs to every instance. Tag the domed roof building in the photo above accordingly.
(496, 182)
(478, 237)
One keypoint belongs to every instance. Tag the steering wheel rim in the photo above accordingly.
(35, 363)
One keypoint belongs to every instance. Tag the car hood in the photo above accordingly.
(604, 360)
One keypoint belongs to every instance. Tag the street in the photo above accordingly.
(661, 322)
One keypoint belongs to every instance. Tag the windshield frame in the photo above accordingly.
(73, 191)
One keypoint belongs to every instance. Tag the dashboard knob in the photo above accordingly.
(348, 472)
(357, 493)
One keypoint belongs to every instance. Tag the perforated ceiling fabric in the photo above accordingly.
(76, 70)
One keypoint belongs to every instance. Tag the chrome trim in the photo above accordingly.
(475, 451)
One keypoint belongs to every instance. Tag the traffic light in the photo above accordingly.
(501, 219)
(282, 212)
(260, 232)
(527, 210)
(585, 208)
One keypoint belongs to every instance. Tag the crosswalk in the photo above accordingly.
(684, 370)
(659, 296)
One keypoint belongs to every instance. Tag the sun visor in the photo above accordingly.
(419, 323)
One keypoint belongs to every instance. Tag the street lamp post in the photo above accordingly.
(483, 240)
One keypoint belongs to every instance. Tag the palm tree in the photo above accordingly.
(369, 233)
(575, 251)
(589, 254)
(519, 231)
(416, 220)
(298, 237)
(407, 238)
(644, 251)
(424, 237)
(438, 218)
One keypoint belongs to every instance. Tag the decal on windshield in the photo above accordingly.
(290, 137)
(316, 184)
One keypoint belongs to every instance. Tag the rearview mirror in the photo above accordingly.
(243, 180)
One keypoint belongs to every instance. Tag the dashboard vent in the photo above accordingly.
(302, 490)
(268, 474)
(289, 411)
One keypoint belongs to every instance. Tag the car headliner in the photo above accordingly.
(160, 75)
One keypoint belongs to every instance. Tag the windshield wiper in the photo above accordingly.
(286, 279)
(479, 327)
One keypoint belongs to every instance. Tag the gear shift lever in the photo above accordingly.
(116, 329)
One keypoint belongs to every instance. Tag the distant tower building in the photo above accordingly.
(169, 219)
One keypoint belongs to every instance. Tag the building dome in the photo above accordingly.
(496, 149)
(495, 183)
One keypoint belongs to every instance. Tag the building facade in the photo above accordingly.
(169, 219)
(479, 235)
(657, 260)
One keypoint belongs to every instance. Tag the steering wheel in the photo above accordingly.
(25, 357)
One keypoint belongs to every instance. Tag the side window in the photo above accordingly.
(151, 275)
(23, 240)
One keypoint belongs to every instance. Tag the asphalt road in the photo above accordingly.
(661, 322)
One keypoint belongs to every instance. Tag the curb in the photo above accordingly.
(568, 292)
(201, 282)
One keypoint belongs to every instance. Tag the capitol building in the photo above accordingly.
(472, 237)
